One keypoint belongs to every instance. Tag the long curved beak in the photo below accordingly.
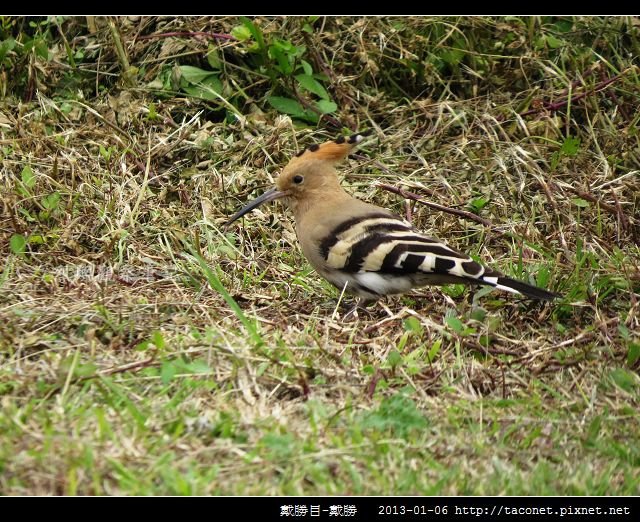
(269, 195)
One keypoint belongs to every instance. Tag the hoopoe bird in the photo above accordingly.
(364, 249)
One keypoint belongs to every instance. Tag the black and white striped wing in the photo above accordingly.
(383, 254)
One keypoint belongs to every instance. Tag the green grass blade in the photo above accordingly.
(217, 285)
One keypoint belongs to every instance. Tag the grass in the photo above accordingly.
(145, 349)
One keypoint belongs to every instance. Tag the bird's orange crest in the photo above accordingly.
(333, 151)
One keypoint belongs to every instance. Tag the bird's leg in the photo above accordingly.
(360, 306)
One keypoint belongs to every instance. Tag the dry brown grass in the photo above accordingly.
(123, 371)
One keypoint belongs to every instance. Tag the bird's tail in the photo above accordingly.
(518, 287)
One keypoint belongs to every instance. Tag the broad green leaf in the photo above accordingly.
(241, 33)
(167, 371)
(478, 203)
(41, 49)
(28, 177)
(211, 83)
(253, 30)
(554, 42)
(106, 153)
(398, 414)
(543, 276)
(286, 105)
(153, 113)
(624, 379)
(579, 202)
(478, 314)
(206, 89)
(306, 67)
(85, 370)
(157, 339)
(18, 244)
(570, 146)
(326, 106)
(312, 85)
(197, 366)
(434, 350)
(213, 58)
(455, 324)
(412, 324)
(282, 58)
(454, 290)
(452, 57)
(634, 353)
(194, 74)
(394, 358)
(563, 26)
(50, 202)
(6, 46)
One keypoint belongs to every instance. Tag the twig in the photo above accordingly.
(91, 24)
(552, 107)
(436, 206)
(138, 365)
(384, 169)
(612, 95)
(541, 105)
(213, 36)
(487, 350)
(615, 210)
(373, 383)
(127, 73)
(579, 82)
(581, 337)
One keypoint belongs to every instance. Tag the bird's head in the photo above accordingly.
(309, 175)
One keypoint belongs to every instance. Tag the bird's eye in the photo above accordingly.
(298, 179)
